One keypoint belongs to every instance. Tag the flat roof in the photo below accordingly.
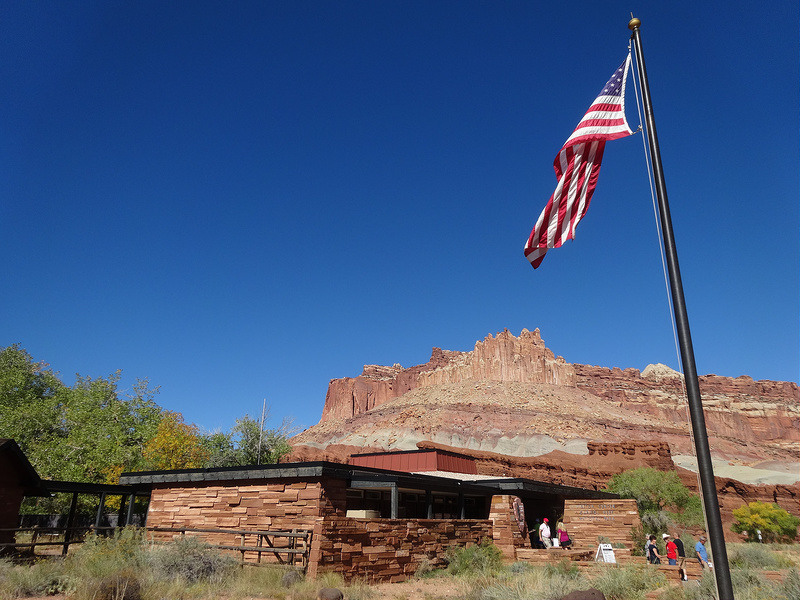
(362, 477)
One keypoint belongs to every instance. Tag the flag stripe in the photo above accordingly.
(577, 167)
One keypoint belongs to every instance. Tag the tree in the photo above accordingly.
(89, 432)
(176, 445)
(80, 433)
(774, 523)
(221, 449)
(31, 398)
(248, 444)
(106, 431)
(659, 495)
(261, 447)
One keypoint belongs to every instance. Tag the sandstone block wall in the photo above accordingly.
(505, 532)
(291, 504)
(387, 549)
(586, 520)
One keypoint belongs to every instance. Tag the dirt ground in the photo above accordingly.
(424, 589)
(419, 589)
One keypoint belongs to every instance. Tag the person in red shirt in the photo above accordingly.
(672, 550)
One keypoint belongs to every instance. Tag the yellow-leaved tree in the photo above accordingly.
(176, 445)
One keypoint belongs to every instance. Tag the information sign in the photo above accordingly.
(605, 553)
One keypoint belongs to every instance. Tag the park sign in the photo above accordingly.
(608, 520)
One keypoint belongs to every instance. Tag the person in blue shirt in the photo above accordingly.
(702, 554)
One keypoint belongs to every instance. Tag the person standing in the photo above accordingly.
(563, 536)
(681, 557)
(672, 550)
(652, 551)
(544, 533)
(702, 553)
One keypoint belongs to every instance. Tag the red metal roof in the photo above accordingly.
(417, 461)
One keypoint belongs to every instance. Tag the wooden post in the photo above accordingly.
(73, 507)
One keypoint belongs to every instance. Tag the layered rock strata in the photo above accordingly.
(514, 396)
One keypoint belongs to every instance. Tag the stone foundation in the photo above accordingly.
(388, 549)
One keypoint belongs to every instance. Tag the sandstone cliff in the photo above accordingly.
(502, 358)
(513, 396)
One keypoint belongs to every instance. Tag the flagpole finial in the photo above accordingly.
(633, 23)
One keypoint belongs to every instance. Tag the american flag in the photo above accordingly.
(578, 166)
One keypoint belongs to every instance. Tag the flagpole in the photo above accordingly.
(704, 465)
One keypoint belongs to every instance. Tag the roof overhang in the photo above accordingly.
(357, 477)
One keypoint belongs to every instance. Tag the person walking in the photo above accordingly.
(702, 553)
(681, 557)
(544, 534)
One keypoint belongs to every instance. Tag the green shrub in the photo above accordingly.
(534, 582)
(100, 557)
(627, 583)
(253, 581)
(43, 578)
(639, 536)
(756, 556)
(519, 567)
(191, 560)
(428, 568)
(109, 568)
(483, 558)
(751, 585)
(565, 568)
(747, 585)
(122, 586)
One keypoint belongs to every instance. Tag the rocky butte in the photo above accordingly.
(522, 410)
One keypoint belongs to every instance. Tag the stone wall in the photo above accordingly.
(290, 504)
(586, 520)
(505, 532)
(388, 549)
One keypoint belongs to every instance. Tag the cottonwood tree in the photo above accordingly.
(660, 497)
(31, 401)
(248, 444)
(79, 433)
(176, 445)
(774, 522)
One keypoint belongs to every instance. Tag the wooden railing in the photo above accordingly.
(51, 536)
(297, 546)
(294, 550)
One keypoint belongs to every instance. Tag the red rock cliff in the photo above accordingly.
(756, 419)
(506, 358)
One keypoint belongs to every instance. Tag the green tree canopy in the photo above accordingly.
(82, 433)
(248, 443)
(658, 493)
(31, 401)
(91, 432)
(774, 523)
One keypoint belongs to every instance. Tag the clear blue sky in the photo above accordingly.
(244, 200)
